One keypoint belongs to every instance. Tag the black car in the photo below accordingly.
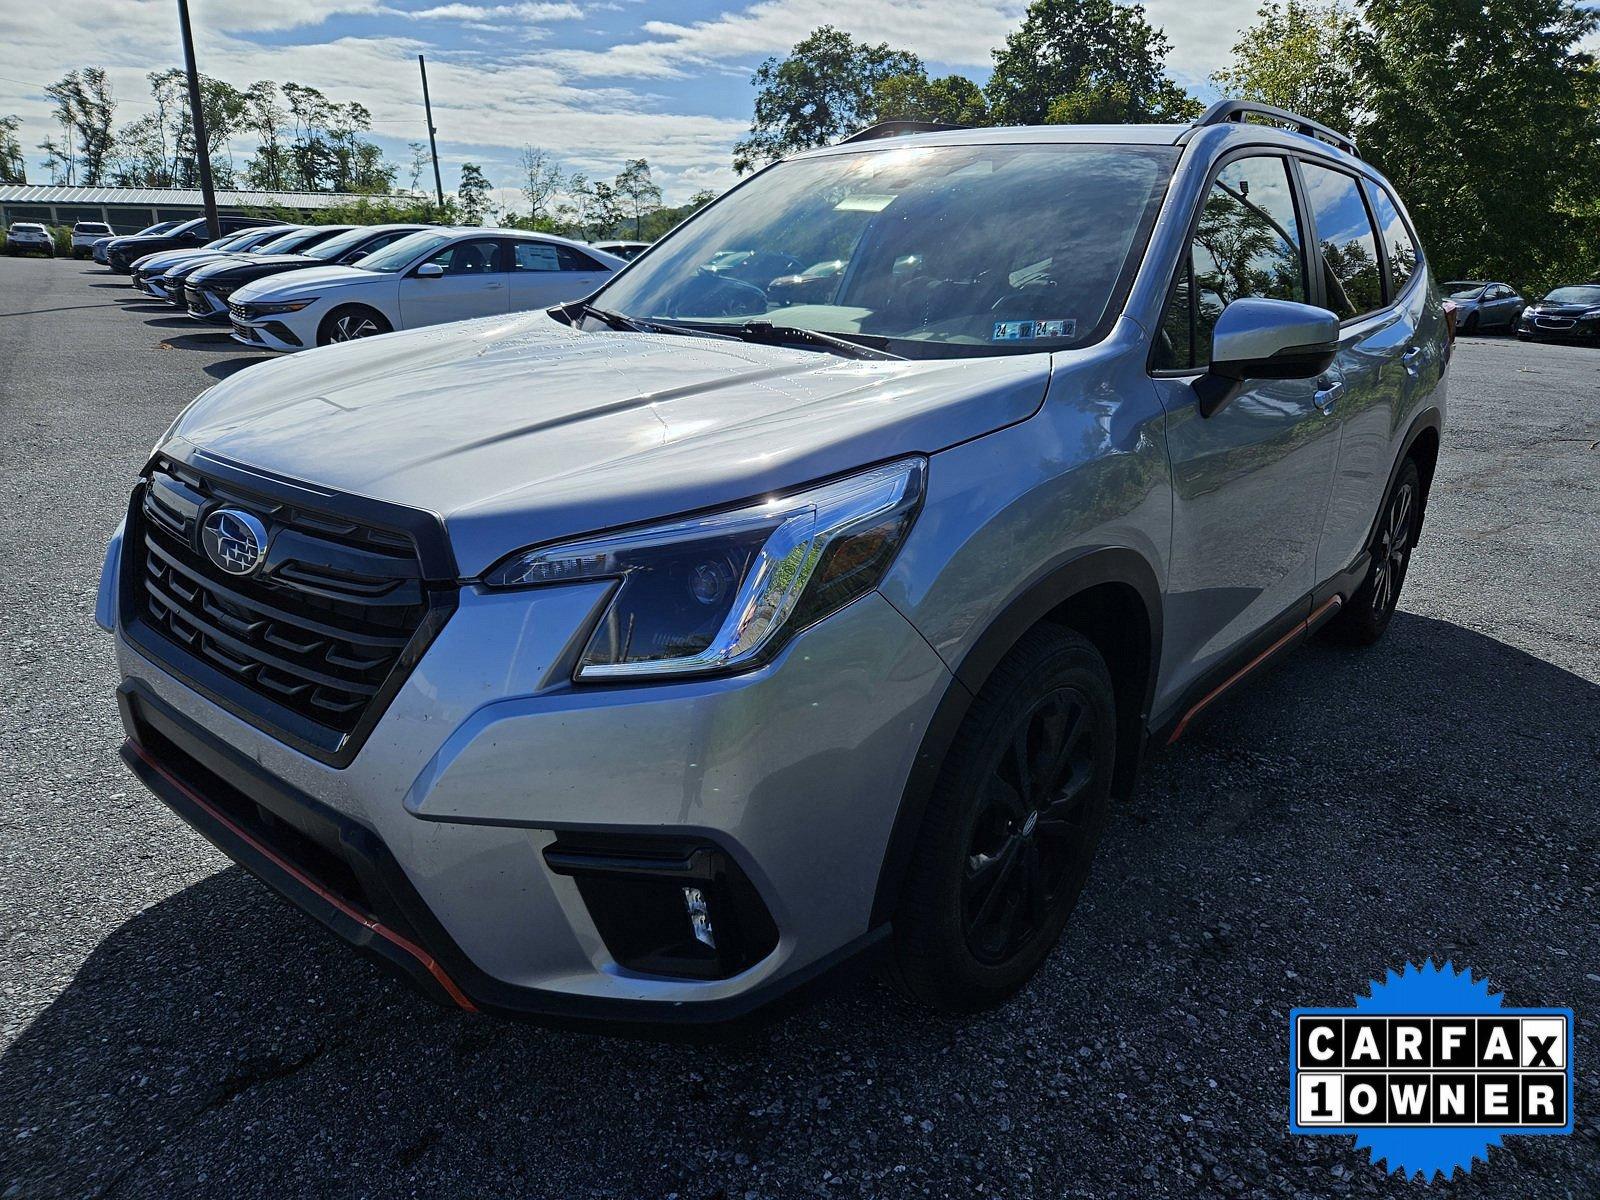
(208, 287)
(291, 243)
(1566, 314)
(190, 234)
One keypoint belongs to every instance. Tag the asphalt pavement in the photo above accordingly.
(170, 1028)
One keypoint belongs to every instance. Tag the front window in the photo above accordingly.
(1574, 295)
(945, 250)
(399, 255)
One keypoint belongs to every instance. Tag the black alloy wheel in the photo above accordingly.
(1010, 828)
(1364, 618)
(1027, 825)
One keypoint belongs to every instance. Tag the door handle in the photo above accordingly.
(1411, 360)
(1327, 395)
(489, 287)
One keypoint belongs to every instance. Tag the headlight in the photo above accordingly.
(267, 310)
(723, 591)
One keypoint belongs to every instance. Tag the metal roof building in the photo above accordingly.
(128, 210)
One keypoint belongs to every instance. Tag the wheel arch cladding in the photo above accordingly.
(1111, 596)
(1422, 445)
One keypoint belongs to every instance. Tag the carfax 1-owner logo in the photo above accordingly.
(1430, 1070)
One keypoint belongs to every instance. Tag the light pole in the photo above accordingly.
(433, 147)
(197, 119)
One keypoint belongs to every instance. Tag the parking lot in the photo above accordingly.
(168, 1025)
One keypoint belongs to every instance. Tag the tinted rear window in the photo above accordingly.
(1352, 278)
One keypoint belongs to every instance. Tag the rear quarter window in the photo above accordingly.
(1398, 242)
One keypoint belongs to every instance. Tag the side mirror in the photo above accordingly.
(429, 271)
(1265, 339)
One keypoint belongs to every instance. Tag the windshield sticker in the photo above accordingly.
(1027, 331)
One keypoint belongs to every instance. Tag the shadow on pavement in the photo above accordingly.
(221, 1027)
(232, 366)
(215, 339)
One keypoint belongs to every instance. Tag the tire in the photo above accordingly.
(351, 323)
(1470, 326)
(1363, 621)
(998, 865)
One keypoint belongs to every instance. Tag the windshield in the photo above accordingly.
(395, 256)
(292, 241)
(1574, 295)
(1463, 289)
(946, 250)
(340, 245)
(227, 239)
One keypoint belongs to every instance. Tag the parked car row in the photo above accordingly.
(289, 287)
(1564, 314)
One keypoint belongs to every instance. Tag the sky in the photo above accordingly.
(594, 82)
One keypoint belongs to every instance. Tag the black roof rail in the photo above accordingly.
(884, 129)
(1224, 111)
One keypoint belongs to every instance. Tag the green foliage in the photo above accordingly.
(1485, 117)
(473, 194)
(1085, 56)
(912, 96)
(371, 210)
(13, 164)
(825, 88)
(1301, 57)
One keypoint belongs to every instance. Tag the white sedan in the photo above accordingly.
(427, 278)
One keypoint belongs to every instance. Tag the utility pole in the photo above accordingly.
(433, 147)
(197, 118)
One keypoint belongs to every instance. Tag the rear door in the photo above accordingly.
(1250, 483)
(1370, 379)
(545, 273)
(474, 284)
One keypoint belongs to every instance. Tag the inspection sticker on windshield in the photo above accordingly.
(1430, 1070)
(1027, 331)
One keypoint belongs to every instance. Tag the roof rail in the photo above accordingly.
(1225, 111)
(884, 129)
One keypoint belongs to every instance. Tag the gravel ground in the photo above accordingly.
(169, 1028)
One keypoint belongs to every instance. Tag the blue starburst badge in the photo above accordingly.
(1430, 1070)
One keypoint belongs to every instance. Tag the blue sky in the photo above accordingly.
(594, 83)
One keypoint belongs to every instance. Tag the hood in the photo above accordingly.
(160, 260)
(316, 278)
(1543, 308)
(238, 267)
(521, 430)
(181, 262)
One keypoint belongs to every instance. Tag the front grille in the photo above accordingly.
(198, 303)
(315, 632)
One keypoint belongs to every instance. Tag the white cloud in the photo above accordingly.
(961, 34)
(491, 12)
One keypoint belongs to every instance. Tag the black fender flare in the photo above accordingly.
(1047, 590)
(1429, 418)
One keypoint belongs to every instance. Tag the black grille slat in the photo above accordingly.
(320, 626)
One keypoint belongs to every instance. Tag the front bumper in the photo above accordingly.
(1559, 329)
(205, 305)
(487, 756)
(273, 332)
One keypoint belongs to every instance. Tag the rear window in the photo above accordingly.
(1398, 243)
(90, 227)
(1351, 275)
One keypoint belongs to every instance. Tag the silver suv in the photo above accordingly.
(645, 659)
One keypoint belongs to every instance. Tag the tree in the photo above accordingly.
(268, 168)
(1485, 117)
(85, 109)
(1096, 56)
(13, 165)
(638, 192)
(912, 96)
(541, 179)
(419, 163)
(823, 90)
(473, 194)
(1301, 57)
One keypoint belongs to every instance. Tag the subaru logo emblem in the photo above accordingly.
(234, 540)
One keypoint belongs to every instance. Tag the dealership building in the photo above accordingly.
(128, 210)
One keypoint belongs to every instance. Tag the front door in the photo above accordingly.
(473, 285)
(1250, 483)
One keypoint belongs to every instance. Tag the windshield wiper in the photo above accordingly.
(636, 325)
(780, 335)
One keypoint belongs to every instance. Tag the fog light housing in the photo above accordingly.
(667, 906)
